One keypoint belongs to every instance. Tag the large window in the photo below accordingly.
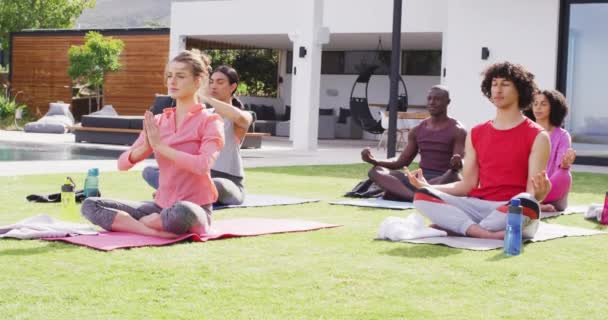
(414, 62)
(357, 61)
(421, 62)
(332, 62)
(583, 68)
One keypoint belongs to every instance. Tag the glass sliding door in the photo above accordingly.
(584, 68)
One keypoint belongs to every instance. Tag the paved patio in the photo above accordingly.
(275, 151)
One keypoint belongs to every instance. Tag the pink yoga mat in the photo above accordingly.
(222, 229)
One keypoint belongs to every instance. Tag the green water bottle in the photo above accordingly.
(68, 201)
(91, 183)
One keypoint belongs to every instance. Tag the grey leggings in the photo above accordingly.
(177, 219)
(457, 214)
(230, 188)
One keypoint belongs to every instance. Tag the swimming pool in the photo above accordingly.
(13, 151)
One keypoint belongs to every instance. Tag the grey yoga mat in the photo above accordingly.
(375, 203)
(569, 210)
(260, 200)
(546, 231)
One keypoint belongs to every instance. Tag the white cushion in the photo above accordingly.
(58, 108)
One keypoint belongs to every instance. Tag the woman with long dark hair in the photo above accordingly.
(549, 110)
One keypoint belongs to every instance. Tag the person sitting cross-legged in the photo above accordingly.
(440, 142)
(549, 110)
(185, 140)
(506, 159)
(227, 172)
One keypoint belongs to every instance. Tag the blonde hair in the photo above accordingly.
(200, 66)
(199, 62)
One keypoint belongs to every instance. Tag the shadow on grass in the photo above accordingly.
(500, 256)
(422, 251)
(36, 250)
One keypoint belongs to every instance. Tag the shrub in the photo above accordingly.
(8, 105)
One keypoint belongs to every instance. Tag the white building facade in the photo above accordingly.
(560, 41)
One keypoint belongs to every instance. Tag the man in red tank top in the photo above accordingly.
(440, 142)
(506, 159)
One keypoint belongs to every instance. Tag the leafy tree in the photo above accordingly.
(91, 61)
(16, 15)
(257, 68)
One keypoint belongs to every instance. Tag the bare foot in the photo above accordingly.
(475, 231)
(202, 227)
(547, 208)
(152, 221)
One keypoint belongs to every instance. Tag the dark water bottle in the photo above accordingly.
(512, 245)
(91, 183)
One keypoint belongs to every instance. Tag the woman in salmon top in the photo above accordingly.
(185, 141)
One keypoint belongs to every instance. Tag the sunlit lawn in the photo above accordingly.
(339, 273)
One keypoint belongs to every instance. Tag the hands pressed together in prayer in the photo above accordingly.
(152, 133)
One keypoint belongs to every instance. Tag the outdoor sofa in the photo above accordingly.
(108, 128)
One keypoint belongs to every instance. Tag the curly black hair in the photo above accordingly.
(558, 107)
(516, 73)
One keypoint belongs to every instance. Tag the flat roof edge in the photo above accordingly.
(111, 31)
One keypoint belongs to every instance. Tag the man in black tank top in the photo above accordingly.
(440, 142)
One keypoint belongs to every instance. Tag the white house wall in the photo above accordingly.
(520, 31)
(273, 17)
(372, 16)
(277, 16)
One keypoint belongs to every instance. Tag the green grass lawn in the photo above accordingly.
(339, 273)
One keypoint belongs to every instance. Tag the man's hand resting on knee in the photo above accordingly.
(456, 162)
(366, 155)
